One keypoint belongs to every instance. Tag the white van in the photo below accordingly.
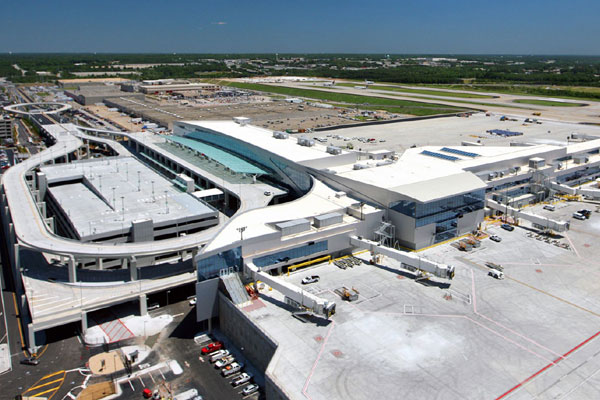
(549, 207)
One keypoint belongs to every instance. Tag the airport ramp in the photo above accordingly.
(235, 288)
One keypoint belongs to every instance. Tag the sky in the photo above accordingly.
(303, 26)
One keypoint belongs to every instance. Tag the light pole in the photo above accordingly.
(139, 181)
(123, 206)
(168, 291)
(166, 202)
(241, 230)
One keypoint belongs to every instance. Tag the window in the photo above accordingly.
(290, 254)
(209, 267)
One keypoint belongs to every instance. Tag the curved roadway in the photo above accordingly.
(31, 231)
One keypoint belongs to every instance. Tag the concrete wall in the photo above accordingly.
(258, 346)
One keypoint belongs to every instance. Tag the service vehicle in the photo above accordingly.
(243, 378)
(248, 390)
(231, 369)
(578, 216)
(225, 361)
(217, 355)
(212, 347)
(496, 238)
(585, 213)
(549, 207)
(30, 361)
(507, 227)
(496, 274)
(311, 279)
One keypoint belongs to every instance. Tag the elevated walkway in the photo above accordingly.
(235, 287)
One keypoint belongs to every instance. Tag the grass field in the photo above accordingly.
(422, 91)
(548, 103)
(564, 92)
(351, 100)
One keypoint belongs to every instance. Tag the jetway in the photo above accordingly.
(410, 261)
(558, 226)
(587, 192)
(306, 300)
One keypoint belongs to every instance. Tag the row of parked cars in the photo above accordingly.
(4, 163)
(224, 360)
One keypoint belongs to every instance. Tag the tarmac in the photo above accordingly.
(531, 335)
(452, 131)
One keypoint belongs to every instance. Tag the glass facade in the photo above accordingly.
(286, 255)
(300, 179)
(209, 267)
(444, 213)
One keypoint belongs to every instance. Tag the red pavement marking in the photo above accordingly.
(559, 359)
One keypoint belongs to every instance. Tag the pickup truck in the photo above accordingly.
(225, 361)
(243, 378)
(212, 347)
(231, 369)
(217, 355)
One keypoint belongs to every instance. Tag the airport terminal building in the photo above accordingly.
(145, 213)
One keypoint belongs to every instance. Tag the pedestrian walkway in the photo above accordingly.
(114, 328)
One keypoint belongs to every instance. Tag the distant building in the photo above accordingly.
(170, 88)
(5, 127)
(87, 95)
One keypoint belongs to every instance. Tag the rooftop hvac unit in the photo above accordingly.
(360, 166)
(536, 162)
(385, 162)
(242, 120)
(304, 141)
(334, 150)
(580, 159)
(280, 135)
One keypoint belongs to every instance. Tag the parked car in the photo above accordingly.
(217, 355)
(311, 279)
(212, 347)
(507, 227)
(224, 361)
(30, 361)
(252, 388)
(243, 378)
(231, 369)
(496, 238)
(579, 216)
(549, 207)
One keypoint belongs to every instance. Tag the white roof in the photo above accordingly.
(438, 188)
(263, 138)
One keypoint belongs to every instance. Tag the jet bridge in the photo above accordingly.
(410, 261)
(306, 300)
(558, 226)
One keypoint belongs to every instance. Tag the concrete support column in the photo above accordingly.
(84, 322)
(72, 269)
(17, 258)
(100, 264)
(31, 338)
(133, 271)
(143, 305)
(124, 263)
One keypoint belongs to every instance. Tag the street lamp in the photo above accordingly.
(241, 230)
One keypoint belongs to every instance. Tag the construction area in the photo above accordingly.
(275, 114)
